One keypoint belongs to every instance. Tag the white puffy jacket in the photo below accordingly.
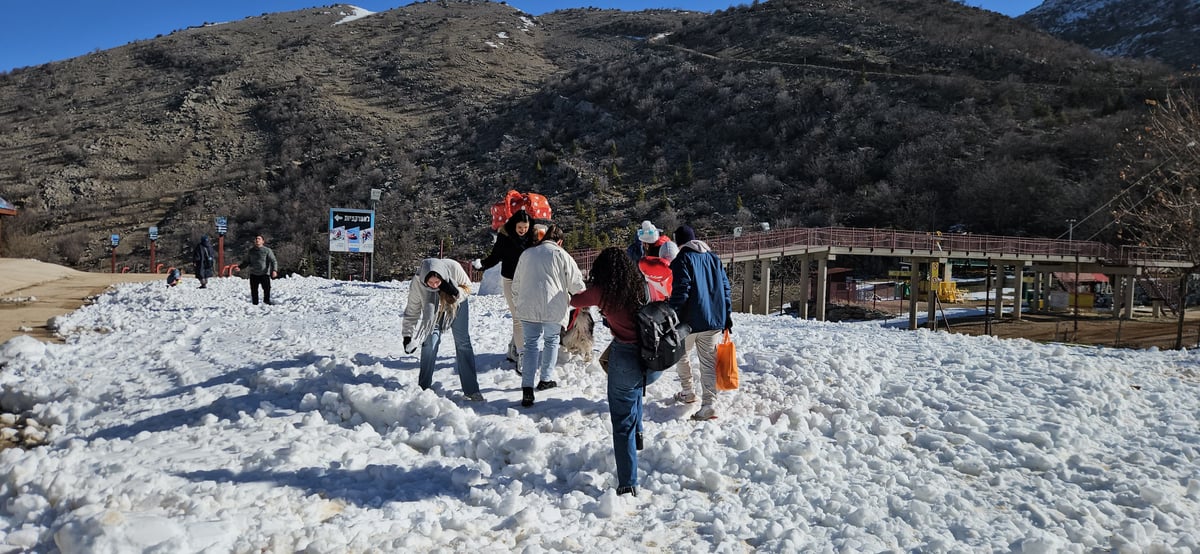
(424, 305)
(543, 283)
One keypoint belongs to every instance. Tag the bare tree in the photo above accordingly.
(1166, 210)
(1164, 207)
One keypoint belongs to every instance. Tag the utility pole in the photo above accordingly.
(375, 194)
(1070, 230)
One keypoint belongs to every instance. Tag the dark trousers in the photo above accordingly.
(265, 281)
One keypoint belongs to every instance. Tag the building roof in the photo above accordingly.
(1068, 277)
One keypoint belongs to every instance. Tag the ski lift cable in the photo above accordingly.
(1135, 204)
(1114, 199)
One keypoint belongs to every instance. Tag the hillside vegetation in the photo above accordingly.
(908, 114)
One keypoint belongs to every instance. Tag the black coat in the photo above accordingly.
(204, 259)
(506, 252)
(509, 245)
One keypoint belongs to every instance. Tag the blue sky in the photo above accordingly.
(39, 33)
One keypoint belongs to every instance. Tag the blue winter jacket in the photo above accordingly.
(701, 293)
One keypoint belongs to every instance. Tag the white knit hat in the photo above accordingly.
(648, 233)
(668, 251)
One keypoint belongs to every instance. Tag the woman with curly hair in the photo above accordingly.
(617, 286)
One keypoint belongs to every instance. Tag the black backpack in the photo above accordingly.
(660, 336)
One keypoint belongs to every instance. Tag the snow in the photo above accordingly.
(355, 13)
(1067, 12)
(188, 420)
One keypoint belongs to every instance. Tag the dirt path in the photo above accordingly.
(32, 292)
(1143, 331)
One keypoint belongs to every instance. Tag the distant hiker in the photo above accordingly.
(545, 278)
(261, 265)
(616, 285)
(655, 264)
(647, 235)
(204, 258)
(437, 300)
(511, 241)
(701, 295)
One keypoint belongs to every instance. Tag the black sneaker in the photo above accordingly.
(627, 490)
(543, 385)
(526, 396)
(638, 439)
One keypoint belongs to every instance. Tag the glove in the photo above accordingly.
(477, 264)
(449, 288)
(728, 321)
(406, 341)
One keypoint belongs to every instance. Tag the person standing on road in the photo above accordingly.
(260, 263)
(204, 258)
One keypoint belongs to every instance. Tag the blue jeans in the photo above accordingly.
(539, 362)
(464, 353)
(626, 383)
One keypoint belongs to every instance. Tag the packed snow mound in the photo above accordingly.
(187, 419)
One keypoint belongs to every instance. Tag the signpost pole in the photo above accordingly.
(375, 194)
(222, 228)
(153, 244)
(115, 240)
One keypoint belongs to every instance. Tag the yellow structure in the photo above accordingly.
(947, 291)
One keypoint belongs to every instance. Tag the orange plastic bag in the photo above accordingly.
(727, 370)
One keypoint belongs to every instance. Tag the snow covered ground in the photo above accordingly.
(187, 420)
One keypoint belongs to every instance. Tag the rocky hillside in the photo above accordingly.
(870, 113)
(1164, 30)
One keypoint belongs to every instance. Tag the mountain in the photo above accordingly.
(916, 115)
(1164, 30)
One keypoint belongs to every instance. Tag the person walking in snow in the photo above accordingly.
(647, 235)
(656, 266)
(616, 285)
(204, 258)
(260, 263)
(437, 301)
(511, 241)
(545, 278)
(702, 297)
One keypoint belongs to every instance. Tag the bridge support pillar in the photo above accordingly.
(764, 277)
(1018, 287)
(805, 286)
(822, 286)
(914, 285)
(1039, 290)
(999, 291)
(1128, 293)
(747, 287)
(931, 303)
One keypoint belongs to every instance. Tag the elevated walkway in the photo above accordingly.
(817, 246)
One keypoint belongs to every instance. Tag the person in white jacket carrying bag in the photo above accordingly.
(437, 300)
(542, 286)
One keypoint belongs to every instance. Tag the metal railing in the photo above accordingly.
(776, 242)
